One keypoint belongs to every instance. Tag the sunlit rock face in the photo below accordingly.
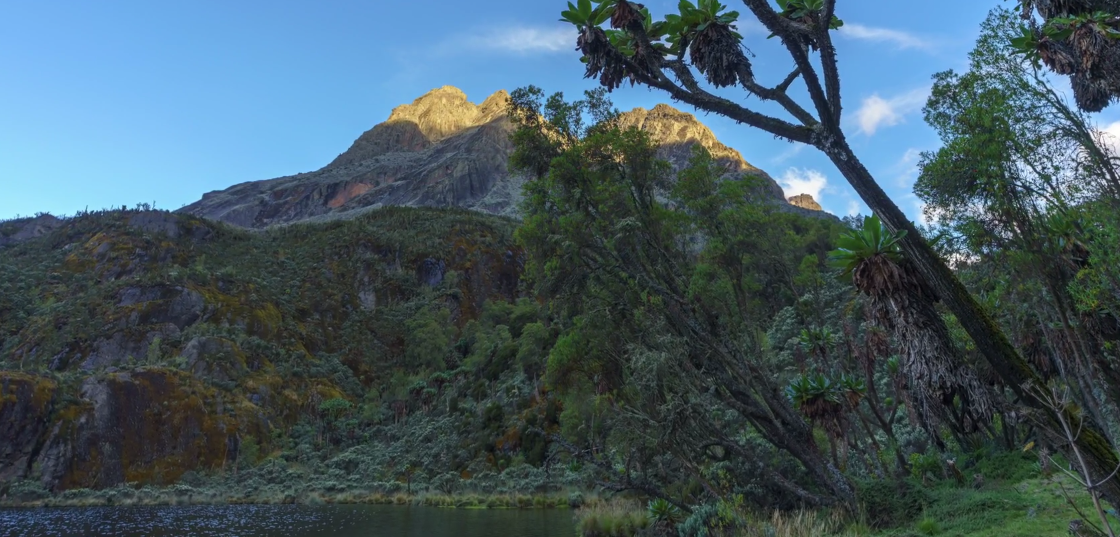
(440, 151)
(805, 201)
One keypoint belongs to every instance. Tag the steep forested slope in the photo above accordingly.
(137, 346)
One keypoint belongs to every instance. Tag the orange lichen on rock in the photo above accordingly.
(174, 424)
(261, 320)
(25, 407)
(348, 193)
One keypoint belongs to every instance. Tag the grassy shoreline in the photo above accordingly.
(151, 496)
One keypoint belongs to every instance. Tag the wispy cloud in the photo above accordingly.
(793, 150)
(876, 112)
(517, 39)
(800, 181)
(906, 169)
(902, 40)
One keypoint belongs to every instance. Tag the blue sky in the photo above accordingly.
(115, 103)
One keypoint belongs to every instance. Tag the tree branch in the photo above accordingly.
(791, 35)
(703, 100)
(778, 94)
(828, 61)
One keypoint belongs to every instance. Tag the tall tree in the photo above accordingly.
(669, 55)
(661, 315)
(941, 387)
(1078, 38)
(1012, 184)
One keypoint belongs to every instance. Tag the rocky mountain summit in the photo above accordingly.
(805, 201)
(440, 151)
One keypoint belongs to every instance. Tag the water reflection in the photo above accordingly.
(286, 520)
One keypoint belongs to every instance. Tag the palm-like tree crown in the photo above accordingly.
(859, 245)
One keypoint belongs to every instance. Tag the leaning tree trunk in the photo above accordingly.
(748, 390)
(988, 337)
(824, 132)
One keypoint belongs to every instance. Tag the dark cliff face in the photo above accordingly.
(137, 346)
(439, 151)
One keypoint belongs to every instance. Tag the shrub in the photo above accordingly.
(616, 518)
(446, 483)
(575, 500)
(660, 510)
(28, 491)
(892, 503)
(928, 526)
(1014, 466)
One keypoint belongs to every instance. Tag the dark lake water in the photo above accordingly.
(286, 521)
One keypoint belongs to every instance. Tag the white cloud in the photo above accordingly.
(1111, 136)
(853, 208)
(926, 215)
(907, 168)
(901, 39)
(798, 181)
(878, 112)
(516, 40)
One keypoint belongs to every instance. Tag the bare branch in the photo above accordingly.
(779, 95)
(771, 19)
(784, 86)
(703, 100)
(794, 37)
(654, 76)
(828, 61)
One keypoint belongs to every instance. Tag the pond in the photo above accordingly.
(287, 520)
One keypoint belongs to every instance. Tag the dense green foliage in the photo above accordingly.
(648, 264)
(689, 301)
(671, 334)
(351, 350)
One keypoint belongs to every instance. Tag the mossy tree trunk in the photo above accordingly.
(1015, 371)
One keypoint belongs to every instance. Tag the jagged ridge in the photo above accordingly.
(440, 151)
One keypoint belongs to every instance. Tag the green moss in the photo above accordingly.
(287, 302)
(16, 386)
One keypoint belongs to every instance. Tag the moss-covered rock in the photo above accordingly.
(156, 345)
(25, 407)
(143, 426)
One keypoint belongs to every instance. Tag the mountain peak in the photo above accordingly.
(430, 119)
(495, 104)
(805, 201)
(440, 150)
(672, 128)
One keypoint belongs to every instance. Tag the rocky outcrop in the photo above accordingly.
(214, 358)
(143, 426)
(25, 407)
(25, 229)
(805, 201)
(439, 151)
